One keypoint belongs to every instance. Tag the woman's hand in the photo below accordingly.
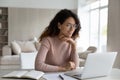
(69, 66)
(67, 39)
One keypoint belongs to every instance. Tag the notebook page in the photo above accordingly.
(17, 74)
(34, 74)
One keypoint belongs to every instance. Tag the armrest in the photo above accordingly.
(84, 54)
(6, 50)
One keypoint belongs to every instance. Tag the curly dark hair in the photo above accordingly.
(52, 29)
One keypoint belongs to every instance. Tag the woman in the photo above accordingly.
(58, 48)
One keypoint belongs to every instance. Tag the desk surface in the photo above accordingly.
(114, 75)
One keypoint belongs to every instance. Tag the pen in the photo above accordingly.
(61, 77)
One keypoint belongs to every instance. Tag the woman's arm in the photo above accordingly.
(42, 66)
(40, 61)
(74, 60)
(41, 57)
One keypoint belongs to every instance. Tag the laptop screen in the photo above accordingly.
(27, 60)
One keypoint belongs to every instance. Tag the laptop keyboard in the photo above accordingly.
(74, 72)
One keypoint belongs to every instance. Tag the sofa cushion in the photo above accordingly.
(27, 46)
(37, 45)
(15, 47)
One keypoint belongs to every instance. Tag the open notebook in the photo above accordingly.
(97, 65)
(32, 74)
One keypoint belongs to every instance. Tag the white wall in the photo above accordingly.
(113, 43)
(47, 4)
(27, 23)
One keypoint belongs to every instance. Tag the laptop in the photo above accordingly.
(27, 60)
(96, 65)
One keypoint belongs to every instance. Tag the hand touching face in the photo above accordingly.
(67, 39)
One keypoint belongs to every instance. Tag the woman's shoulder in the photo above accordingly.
(48, 39)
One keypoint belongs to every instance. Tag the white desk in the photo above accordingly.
(115, 75)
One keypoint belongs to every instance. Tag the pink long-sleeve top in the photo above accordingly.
(54, 53)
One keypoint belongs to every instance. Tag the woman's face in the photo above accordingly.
(68, 27)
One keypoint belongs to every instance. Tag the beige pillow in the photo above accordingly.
(37, 45)
(27, 46)
(15, 47)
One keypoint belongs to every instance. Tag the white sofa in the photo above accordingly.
(10, 54)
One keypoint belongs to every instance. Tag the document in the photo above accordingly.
(33, 74)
